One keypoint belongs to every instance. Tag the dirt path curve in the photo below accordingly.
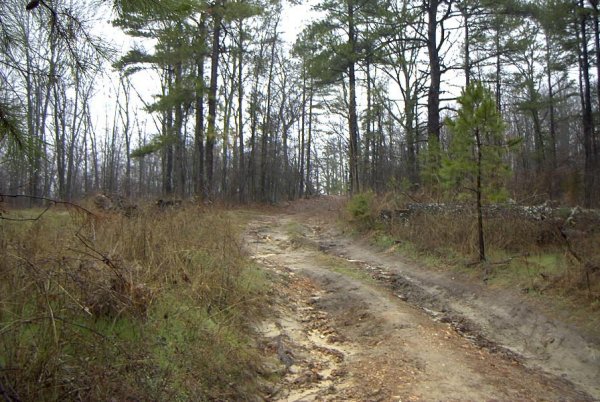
(339, 334)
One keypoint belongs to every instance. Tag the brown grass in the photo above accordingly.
(152, 307)
(531, 256)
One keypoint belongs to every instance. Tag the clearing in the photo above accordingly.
(353, 323)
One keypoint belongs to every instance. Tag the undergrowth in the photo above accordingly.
(156, 306)
(531, 256)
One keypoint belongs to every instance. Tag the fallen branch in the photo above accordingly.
(50, 200)
(587, 266)
(8, 395)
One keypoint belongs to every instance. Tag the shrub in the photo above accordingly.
(360, 207)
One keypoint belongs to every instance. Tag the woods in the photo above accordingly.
(298, 200)
(357, 103)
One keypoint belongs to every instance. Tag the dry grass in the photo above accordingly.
(532, 256)
(514, 246)
(152, 307)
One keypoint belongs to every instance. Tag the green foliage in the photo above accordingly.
(14, 138)
(132, 57)
(241, 10)
(325, 44)
(360, 206)
(129, 10)
(10, 127)
(320, 50)
(430, 164)
(478, 127)
(155, 145)
(180, 95)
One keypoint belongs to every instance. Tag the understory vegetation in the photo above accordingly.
(555, 258)
(101, 306)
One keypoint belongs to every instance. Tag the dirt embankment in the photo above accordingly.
(353, 324)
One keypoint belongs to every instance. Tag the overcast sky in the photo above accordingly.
(294, 18)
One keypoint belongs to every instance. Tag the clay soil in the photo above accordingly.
(351, 323)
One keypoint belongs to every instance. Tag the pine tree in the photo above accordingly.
(474, 163)
(338, 40)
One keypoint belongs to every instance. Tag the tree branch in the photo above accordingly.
(51, 200)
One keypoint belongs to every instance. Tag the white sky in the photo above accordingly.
(294, 18)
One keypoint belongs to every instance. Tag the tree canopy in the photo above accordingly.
(365, 99)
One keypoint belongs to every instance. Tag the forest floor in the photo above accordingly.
(351, 322)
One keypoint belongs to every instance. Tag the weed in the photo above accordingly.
(156, 306)
(345, 267)
(360, 208)
(536, 257)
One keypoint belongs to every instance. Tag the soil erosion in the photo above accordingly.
(353, 323)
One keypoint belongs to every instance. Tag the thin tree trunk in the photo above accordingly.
(352, 114)
(467, 62)
(309, 142)
(595, 139)
(179, 161)
(167, 128)
(242, 163)
(227, 122)
(498, 71)
(199, 131)
(267, 129)
(551, 107)
(212, 100)
(302, 132)
(368, 151)
(479, 204)
(588, 124)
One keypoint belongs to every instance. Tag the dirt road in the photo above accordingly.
(351, 323)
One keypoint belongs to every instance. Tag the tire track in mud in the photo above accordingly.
(339, 335)
(299, 335)
(496, 319)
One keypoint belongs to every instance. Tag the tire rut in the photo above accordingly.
(340, 334)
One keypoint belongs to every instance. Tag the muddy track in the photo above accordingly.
(348, 325)
(501, 320)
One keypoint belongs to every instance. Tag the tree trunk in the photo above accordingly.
(433, 96)
(551, 109)
(467, 61)
(126, 122)
(368, 153)
(479, 203)
(212, 99)
(302, 136)
(588, 124)
(178, 124)
(498, 71)
(595, 139)
(352, 114)
(167, 130)
(267, 129)
(227, 123)
(242, 163)
(59, 138)
(309, 142)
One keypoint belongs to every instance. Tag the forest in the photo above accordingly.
(265, 200)
(360, 101)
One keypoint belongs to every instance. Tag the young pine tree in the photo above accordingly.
(473, 166)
